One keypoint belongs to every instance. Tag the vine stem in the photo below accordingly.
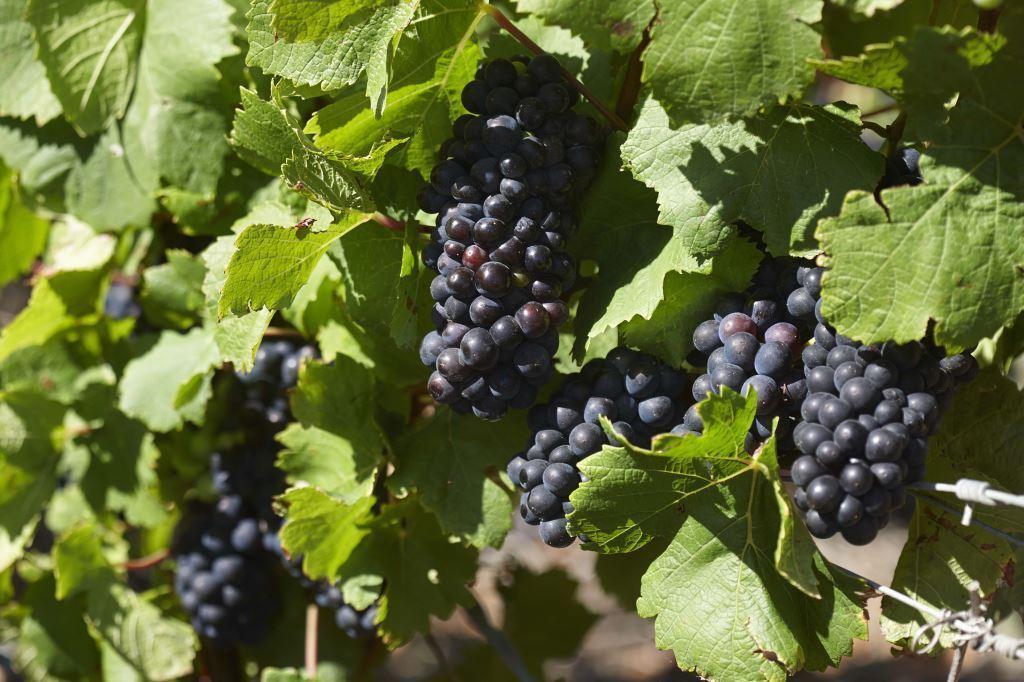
(388, 222)
(442, 660)
(533, 47)
(145, 562)
(496, 638)
(312, 620)
(630, 91)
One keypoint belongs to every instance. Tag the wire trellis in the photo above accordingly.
(970, 627)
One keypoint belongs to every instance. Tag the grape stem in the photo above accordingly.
(312, 618)
(987, 20)
(533, 47)
(145, 562)
(282, 332)
(496, 638)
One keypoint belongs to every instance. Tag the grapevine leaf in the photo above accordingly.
(423, 573)
(619, 232)
(49, 311)
(893, 268)
(880, 66)
(262, 134)
(432, 64)
(329, 44)
(50, 368)
(89, 49)
(849, 32)
(22, 233)
(778, 173)
(326, 180)
(371, 260)
(121, 473)
(538, 640)
(322, 530)
(26, 91)
(724, 611)
(271, 263)
(735, 543)
(153, 646)
(237, 336)
(172, 291)
(174, 123)
(78, 562)
(154, 383)
(53, 639)
(105, 191)
(983, 431)
(30, 431)
(709, 60)
(74, 246)
(939, 561)
(42, 161)
(457, 488)
(603, 24)
(336, 444)
(867, 7)
(688, 300)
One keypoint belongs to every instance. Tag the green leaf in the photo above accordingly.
(30, 433)
(326, 180)
(423, 573)
(46, 314)
(49, 368)
(53, 639)
(26, 91)
(329, 44)
(78, 562)
(105, 191)
(536, 639)
(121, 472)
(740, 568)
(604, 24)
(271, 263)
(716, 584)
(324, 531)
(154, 382)
(22, 233)
(892, 269)
(940, 559)
(982, 429)
(711, 59)
(237, 336)
(89, 49)
(41, 159)
(175, 128)
(779, 173)
(688, 299)
(337, 444)
(867, 7)
(172, 291)
(262, 134)
(384, 284)
(460, 487)
(151, 645)
(432, 64)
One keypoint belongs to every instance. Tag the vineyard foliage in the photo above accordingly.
(182, 181)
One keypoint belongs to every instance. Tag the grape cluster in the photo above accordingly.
(504, 194)
(866, 418)
(274, 372)
(225, 577)
(119, 302)
(638, 393)
(754, 343)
